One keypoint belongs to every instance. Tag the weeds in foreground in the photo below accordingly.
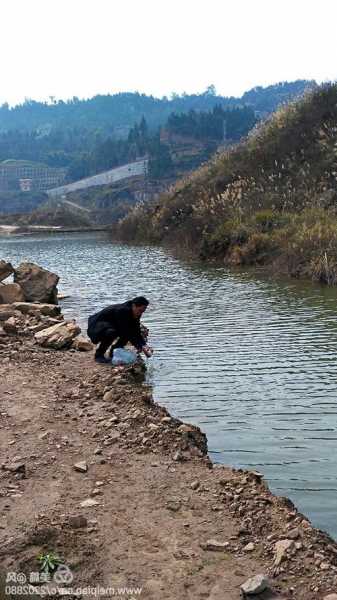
(49, 562)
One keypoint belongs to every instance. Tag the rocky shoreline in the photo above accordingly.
(43, 229)
(93, 470)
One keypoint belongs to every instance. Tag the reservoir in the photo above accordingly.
(250, 359)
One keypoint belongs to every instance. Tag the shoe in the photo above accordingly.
(102, 360)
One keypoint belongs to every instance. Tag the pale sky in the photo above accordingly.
(66, 48)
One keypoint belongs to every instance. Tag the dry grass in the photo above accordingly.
(275, 194)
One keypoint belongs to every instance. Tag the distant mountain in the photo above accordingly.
(118, 112)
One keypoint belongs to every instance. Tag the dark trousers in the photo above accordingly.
(105, 336)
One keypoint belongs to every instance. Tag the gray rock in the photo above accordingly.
(293, 534)
(43, 325)
(255, 585)
(11, 292)
(281, 548)
(89, 503)
(81, 344)
(17, 467)
(10, 326)
(48, 310)
(249, 547)
(38, 284)
(81, 466)
(330, 597)
(173, 505)
(195, 484)
(77, 522)
(7, 311)
(214, 545)
(58, 336)
(6, 269)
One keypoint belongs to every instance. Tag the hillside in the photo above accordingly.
(271, 200)
(78, 153)
(81, 138)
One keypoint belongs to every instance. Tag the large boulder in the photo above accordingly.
(58, 336)
(38, 284)
(6, 269)
(11, 292)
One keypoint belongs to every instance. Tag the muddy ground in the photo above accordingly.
(158, 498)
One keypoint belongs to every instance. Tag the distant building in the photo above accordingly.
(29, 176)
(25, 185)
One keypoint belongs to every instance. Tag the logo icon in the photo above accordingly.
(63, 575)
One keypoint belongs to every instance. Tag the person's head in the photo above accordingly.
(139, 305)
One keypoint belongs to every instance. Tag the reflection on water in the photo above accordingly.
(250, 360)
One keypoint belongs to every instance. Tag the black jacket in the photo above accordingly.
(118, 317)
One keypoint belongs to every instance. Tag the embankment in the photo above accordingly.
(96, 473)
(270, 201)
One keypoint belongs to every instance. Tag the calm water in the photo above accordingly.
(251, 360)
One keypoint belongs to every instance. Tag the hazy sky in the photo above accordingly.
(66, 48)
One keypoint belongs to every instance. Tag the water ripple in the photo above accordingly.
(251, 360)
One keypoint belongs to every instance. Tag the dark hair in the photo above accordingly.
(140, 301)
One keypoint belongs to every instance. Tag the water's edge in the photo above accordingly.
(250, 360)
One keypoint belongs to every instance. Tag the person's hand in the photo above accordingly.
(148, 351)
(145, 332)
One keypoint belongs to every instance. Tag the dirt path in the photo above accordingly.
(158, 498)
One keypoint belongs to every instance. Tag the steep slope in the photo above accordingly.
(269, 200)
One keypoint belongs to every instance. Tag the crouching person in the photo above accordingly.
(116, 325)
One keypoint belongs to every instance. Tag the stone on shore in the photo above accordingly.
(47, 310)
(11, 292)
(81, 466)
(77, 522)
(58, 336)
(38, 284)
(9, 326)
(6, 269)
(81, 344)
(7, 311)
(214, 545)
(330, 597)
(249, 547)
(43, 324)
(280, 549)
(89, 502)
(255, 585)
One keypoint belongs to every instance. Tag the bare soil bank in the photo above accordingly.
(159, 498)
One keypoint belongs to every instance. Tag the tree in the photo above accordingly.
(210, 90)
